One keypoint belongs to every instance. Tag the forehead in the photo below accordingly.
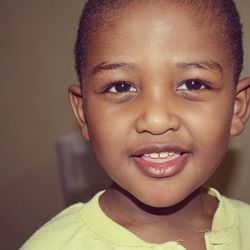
(205, 14)
(152, 29)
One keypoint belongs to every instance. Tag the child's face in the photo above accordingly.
(162, 85)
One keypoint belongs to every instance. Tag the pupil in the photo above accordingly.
(122, 87)
(193, 85)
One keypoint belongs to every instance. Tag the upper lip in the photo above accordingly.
(159, 148)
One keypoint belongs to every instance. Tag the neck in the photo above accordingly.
(123, 208)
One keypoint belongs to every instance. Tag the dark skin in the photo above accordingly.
(159, 225)
(147, 88)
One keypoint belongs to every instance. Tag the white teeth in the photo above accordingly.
(159, 155)
(154, 155)
(163, 154)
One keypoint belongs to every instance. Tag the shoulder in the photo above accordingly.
(67, 230)
(231, 222)
(242, 209)
(55, 233)
(242, 215)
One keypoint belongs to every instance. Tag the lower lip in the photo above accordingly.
(161, 170)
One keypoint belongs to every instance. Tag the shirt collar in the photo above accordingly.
(225, 226)
(224, 234)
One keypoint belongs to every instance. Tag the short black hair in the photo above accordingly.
(95, 11)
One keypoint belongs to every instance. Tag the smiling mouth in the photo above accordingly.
(161, 164)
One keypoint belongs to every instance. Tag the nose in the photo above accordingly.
(158, 115)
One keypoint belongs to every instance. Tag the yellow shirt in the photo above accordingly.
(86, 227)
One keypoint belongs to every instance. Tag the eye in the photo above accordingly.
(192, 85)
(121, 87)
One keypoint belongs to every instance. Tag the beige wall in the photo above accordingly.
(36, 66)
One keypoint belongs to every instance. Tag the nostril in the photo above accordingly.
(157, 124)
(157, 116)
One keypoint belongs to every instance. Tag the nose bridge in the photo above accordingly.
(158, 113)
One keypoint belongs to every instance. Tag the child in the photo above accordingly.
(159, 98)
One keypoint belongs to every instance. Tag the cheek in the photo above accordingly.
(108, 132)
(210, 129)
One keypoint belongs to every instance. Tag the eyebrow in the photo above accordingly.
(106, 66)
(206, 65)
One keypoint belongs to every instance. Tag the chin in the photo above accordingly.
(173, 201)
(160, 201)
(163, 203)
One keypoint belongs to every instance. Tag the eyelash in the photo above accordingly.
(113, 87)
(195, 85)
(125, 87)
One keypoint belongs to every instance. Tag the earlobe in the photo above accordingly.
(241, 111)
(76, 101)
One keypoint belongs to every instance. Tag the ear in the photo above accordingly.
(241, 111)
(76, 101)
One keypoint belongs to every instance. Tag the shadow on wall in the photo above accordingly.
(82, 177)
